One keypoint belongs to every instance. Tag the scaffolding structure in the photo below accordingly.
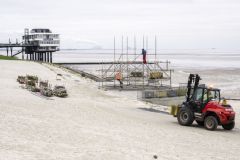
(134, 72)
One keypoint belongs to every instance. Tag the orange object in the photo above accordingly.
(118, 76)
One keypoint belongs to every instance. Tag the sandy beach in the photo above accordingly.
(93, 124)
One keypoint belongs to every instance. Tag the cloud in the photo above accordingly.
(178, 23)
(80, 44)
(88, 44)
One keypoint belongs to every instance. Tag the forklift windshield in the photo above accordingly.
(205, 95)
(211, 95)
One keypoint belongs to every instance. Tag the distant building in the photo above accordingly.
(40, 44)
(42, 39)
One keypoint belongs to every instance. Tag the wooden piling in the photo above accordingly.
(45, 57)
(11, 49)
(50, 57)
(7, 51)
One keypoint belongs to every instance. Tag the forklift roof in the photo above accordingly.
(208, 87)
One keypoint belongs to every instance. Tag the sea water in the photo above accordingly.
(190, 59)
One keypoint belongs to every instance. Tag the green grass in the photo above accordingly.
(7, 58)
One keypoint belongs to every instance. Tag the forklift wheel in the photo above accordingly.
(185, 117)
(229, 126)
(210, 123)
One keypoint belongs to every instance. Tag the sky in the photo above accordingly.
(177, 24)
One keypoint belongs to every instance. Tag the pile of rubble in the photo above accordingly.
(33, 84)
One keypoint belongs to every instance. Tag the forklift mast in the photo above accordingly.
(193, 82)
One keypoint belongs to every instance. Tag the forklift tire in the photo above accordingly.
(185, 117)
(229, 126)
(200, 123)
(210, 123)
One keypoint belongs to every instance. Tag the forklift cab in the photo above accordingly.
(202, 96)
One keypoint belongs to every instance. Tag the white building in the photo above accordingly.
(42, 39)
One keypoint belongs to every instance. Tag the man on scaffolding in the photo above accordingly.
(144, 53)
(119, 78)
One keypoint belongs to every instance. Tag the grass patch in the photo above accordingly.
(7, 58)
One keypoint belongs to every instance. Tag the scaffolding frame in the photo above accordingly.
(129, 62)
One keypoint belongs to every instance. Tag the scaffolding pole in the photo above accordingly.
(135, 55)
(143, 65)
(128, 82)
(114, 46)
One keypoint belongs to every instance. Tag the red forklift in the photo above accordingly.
(203, 104)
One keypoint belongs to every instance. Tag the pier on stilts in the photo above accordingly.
(37, 45)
